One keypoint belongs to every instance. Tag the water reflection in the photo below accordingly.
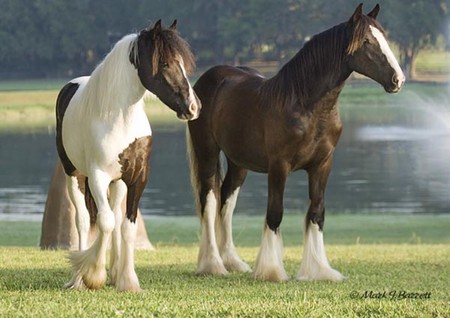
(403, 166)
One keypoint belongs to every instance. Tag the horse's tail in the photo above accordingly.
(194, 171)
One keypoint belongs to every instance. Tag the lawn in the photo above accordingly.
(397, 266)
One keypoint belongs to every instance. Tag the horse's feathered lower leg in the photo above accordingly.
(207, 197)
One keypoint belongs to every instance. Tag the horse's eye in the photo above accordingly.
(164, 65)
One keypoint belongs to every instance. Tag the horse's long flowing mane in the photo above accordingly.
(113, 81)
(316, 65)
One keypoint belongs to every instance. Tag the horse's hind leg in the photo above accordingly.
(229, 193)
(315, 264)
(82, 221)
(90, 264)
(205, 176)
(117, 192)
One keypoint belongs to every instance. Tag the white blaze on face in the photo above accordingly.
(389, 54)
(193, 107)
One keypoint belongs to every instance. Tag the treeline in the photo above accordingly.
(60, 38)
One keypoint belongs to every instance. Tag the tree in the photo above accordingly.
(413, 26)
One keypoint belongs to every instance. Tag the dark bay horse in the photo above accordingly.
(104, 141)
(276, 126)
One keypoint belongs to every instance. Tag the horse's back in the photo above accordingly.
(225, 82)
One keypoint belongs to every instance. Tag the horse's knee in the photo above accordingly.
(106, 221)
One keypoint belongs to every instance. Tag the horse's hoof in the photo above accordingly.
(273, 274)
(215, 267)
(233, 263)
(76, 283)
(95, 279)
(329, 274)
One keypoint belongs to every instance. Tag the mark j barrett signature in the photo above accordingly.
(390, 295)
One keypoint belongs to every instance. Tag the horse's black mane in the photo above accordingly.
(316, 65)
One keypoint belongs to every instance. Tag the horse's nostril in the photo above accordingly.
(193, 108)
(395, 79)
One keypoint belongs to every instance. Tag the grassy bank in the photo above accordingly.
(395, 256)
(344, 229)
(33, 109)
(30, 110)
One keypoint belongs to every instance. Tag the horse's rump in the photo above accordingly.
(64, 98)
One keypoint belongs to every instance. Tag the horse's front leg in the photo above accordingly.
(90, 264)
(269, 263)
(315, 264)
(127, 279)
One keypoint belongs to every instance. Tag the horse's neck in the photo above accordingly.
(113, 87)
(314, 73)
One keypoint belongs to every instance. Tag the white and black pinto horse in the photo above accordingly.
(104, 139)
(277, 126)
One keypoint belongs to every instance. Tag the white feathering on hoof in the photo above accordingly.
(269, 263)
(315, 264)
(86, 266)
(209, 260)
(228, 253)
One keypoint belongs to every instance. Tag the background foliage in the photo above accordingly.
(57, 38)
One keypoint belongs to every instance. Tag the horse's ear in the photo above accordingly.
(174, 25)
(374, 13)
(157, 27)
(356, 15)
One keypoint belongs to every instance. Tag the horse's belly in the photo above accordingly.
(245, 151)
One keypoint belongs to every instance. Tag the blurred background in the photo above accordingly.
(394, 153)
(56, 38)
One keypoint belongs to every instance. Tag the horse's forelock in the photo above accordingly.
(359, 31)
(168, 45)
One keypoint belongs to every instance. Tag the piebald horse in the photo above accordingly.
(104, 138)
(277, 126)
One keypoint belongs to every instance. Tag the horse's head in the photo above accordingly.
(163, 60)
(369, 52)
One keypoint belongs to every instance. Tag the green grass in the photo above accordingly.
(433, 62)
(378, 253)
(343, 229)
(32, 110)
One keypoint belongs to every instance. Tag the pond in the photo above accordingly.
(391, 158)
